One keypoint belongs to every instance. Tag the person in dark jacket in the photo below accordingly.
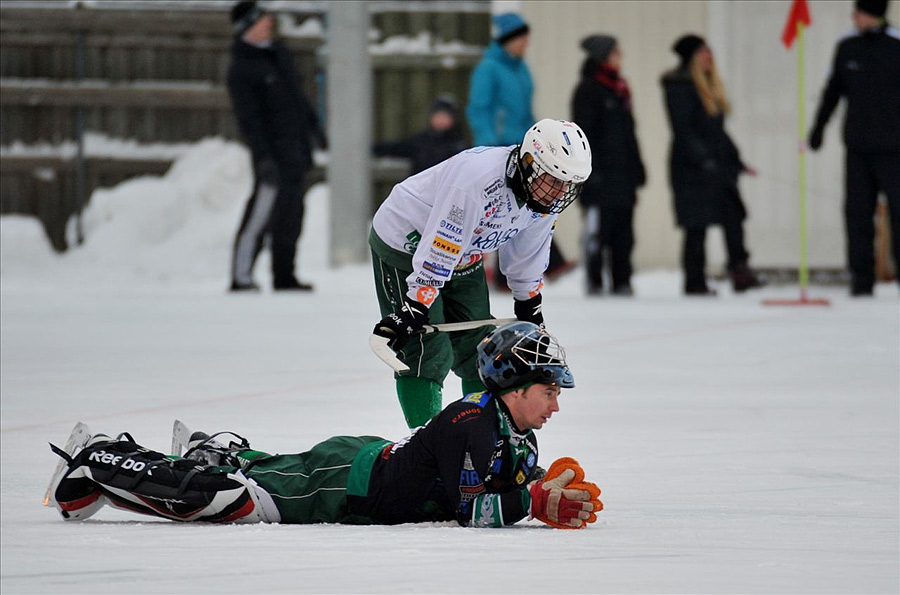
(601, 105)
(704, 165)
(441, 140)
(866, 71)
(476, 463)
(277, 122)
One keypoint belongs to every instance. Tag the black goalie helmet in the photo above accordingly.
(522, 353)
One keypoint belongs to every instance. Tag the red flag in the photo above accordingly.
(799, 14)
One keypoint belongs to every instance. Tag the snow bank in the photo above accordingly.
(157, 230)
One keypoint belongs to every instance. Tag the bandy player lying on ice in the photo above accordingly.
(476, 462)
(430, 234)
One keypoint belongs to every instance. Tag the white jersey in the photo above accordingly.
(452, 214)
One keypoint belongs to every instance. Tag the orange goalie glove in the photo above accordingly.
(563, 499)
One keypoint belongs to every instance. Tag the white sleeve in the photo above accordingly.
(524, 258)
(448, 230)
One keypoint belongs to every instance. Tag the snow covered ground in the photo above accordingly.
(741, 448)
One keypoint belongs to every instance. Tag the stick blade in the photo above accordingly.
(379, 346)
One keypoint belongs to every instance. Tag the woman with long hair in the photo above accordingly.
(704, 165)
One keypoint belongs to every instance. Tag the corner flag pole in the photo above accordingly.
(801, 110)
(798, 19)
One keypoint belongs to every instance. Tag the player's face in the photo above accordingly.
(536, 405)
(547, 190)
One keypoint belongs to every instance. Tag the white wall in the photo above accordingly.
(761, 77)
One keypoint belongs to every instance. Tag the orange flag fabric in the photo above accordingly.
(799, 14)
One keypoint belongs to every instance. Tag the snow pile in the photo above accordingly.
(157, 230)
(99, 145)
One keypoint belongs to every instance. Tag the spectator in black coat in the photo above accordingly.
(601, 105)
(704, 165)
(866, 72)
(277, 122)
(441, 140)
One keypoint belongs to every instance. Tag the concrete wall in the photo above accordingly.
(761, 78)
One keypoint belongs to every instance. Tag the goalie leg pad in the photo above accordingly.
(134, 478)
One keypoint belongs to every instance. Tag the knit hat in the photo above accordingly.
(599, 47)
(687, 46)
(508, 25)
(444, 103)
(244, 15)
(876, 8)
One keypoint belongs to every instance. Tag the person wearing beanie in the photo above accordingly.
(601, 105)
(704, 165)
(499, 111)
(278, 124)
(866, 72)
(441, 140)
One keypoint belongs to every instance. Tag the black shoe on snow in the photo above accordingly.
(243, 287)
(292, 285)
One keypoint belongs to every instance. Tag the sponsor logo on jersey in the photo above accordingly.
(480, 399)
(494, 240)
(446, 246)
(467, 263)
(412, 243)
(426, 295)
(520, 478)
(464, 415)
(430, 282)
(449, 236)
(478, 230)
(436, 269)
(450, 227)
(456, 215)
(493, 187)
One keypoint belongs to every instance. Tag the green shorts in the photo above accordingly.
(464, 297)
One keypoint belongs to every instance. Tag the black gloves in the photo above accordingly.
(398, 327)
(529, 310)
(815, 138)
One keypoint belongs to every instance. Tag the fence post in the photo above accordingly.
(80, 176)
(349, 112)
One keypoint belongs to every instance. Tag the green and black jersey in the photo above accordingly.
(469, 463)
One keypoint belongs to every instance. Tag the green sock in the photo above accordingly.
(472, 386)
(420, 399)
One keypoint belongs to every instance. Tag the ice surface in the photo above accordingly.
(740, 448)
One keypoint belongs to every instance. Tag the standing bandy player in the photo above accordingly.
(429, 237)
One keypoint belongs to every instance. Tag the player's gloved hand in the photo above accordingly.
(398, 327)
(815, 138)
(563, 499)
(529, 310)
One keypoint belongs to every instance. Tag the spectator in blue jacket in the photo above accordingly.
(499, 109)
(501, 88)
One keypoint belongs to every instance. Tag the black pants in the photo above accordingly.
(609, 227)
(866, 174)
(274, 211)
(694, 253)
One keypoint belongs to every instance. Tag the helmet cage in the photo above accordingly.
(539, 182)
(519, 354)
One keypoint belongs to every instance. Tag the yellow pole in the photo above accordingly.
(801, 108)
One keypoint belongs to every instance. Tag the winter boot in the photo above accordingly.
(743, 278)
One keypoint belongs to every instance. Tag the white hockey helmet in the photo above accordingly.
(555, 161)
